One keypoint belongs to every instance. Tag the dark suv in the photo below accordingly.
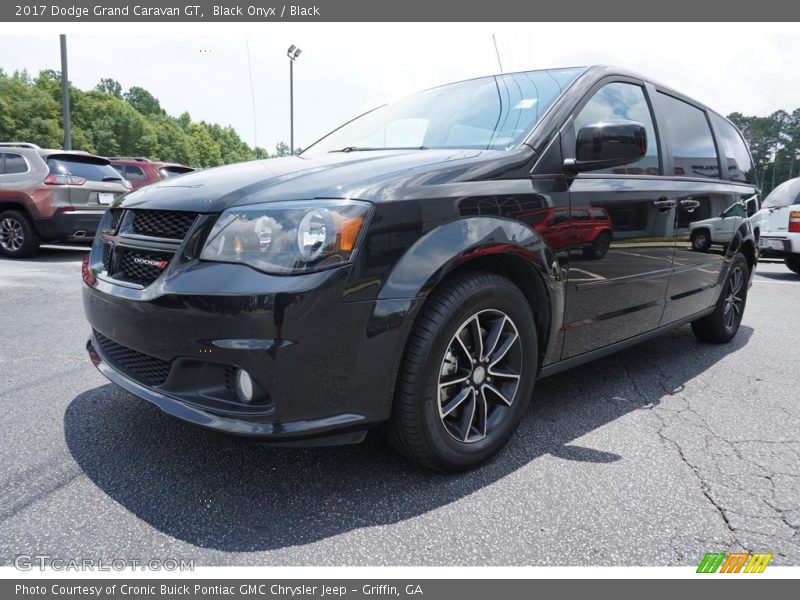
(143, 171)
(385, 277)
(51, 195)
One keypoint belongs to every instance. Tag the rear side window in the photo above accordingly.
(690, 138)
(167, 172)
(89, 167)
(626, 101)
(734, 151)
(133, 173)
(11, 163)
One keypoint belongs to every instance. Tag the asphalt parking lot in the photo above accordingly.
(653, 456)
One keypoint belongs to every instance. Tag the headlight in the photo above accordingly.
(288, 237)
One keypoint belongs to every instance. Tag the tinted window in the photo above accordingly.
(693, 151)
(580, 215)
(487, 113)
(734, 150)
(134, 173)
(89, 167)
(735, 210)
(167, 172)
(623, 101)
(14, 163)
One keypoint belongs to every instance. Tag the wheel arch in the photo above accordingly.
(16, 204)
(749, 251)
(487, 243)
(524, 276)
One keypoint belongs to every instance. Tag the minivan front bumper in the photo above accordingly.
(326, 368)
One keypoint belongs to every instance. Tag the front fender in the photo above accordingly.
(447, 247)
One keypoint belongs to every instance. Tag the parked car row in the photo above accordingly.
(51, 195)
(775, 224)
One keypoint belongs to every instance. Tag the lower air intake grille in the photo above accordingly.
(141, 267)
(141, 367)
(174, 224)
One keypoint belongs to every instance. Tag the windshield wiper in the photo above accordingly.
(111, 178)
(366, 149)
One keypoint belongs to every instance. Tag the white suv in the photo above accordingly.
(780, 224)
(720, 229)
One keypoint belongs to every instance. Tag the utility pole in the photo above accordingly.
(65, 95)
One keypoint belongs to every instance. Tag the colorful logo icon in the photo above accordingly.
(737, 562)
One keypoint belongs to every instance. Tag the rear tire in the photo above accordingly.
(467, 374)
(18, 238)
(793, 263)
(598, 248)
(701, 240)
(721, 325)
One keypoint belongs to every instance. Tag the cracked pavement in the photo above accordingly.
(652, 456)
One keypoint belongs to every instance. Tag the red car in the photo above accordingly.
(142, 171)
(586, 227)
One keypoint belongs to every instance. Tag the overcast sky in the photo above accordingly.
(345, 69)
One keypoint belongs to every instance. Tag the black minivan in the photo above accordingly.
(421, 266)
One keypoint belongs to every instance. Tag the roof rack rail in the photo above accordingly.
(19, 145)
(136, 158)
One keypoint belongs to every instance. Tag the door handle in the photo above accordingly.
(663, 204)
(690, 205)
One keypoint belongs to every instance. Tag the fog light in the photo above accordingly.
(244, 386)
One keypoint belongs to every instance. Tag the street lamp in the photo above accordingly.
(293, 52)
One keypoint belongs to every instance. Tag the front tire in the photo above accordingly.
(701, 240)
(721, 325)
(18, 238)
(793, 263)
(467, 374)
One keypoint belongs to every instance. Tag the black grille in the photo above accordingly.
(140, 267)
(107, 257)
(143, 368)
(172, 224)
(116, 217)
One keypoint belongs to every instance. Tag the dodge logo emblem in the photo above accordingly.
(151, 262)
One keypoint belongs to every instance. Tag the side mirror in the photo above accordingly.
(607, 144)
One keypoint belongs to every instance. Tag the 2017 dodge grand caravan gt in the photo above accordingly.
(397, 274)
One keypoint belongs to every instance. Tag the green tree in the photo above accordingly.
(109, 86)
(143, 101)
(108, 122)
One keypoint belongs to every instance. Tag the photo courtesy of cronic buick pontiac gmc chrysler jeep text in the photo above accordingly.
(421, 266)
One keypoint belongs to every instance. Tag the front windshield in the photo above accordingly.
(491, 113)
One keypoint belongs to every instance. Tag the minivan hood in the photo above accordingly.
(367, 175)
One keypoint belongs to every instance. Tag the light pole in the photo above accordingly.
(293, 52)
(65, 114)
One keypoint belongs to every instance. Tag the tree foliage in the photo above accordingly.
(775, 144)
(110, 122)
